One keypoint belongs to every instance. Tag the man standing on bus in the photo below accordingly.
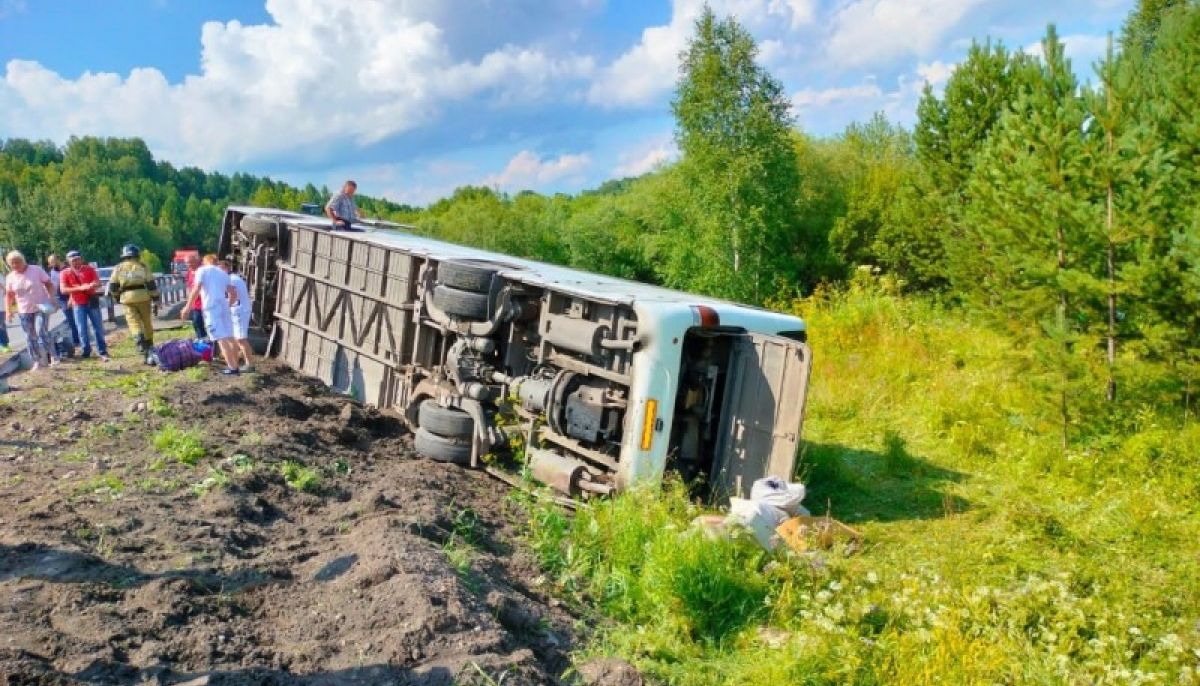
(342, 210)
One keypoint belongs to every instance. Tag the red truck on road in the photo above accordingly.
(179, 261)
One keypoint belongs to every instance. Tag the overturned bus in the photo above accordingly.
(608, 382)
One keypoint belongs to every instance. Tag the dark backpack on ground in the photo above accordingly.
(175, 355)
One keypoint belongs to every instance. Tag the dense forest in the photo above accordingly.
(96, 194)
(1062, 212)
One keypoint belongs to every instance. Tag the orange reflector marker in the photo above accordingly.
(648, 423)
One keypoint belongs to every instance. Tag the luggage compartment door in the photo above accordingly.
(765, 395)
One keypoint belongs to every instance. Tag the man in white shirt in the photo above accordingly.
(216, 296)
(240, 312)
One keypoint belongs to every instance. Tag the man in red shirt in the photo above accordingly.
(81, 284)
(193, 263)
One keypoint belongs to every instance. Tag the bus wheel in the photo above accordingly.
(448, 422)
(262, 227)
(460, 303)
(466, 277)
(455, 450)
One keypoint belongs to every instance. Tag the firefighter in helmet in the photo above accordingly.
(134, 284)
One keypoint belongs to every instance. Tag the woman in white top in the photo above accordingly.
(240, 313)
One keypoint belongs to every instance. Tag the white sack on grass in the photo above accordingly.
(775, 491)
(759, 517)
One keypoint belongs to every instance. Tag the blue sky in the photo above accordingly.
(413, 98)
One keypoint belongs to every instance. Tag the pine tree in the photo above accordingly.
(1126, 167)
(1142, 27)
(1028, 226)
(950, 131)
(924, 226)
(1169, 266)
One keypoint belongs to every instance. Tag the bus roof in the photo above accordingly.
(575, 281)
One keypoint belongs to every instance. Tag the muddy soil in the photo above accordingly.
(306, 545)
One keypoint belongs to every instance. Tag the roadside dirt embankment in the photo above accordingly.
(303, 544)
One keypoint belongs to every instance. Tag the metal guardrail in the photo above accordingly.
(171, 291)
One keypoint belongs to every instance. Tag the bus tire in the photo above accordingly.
(447, 422)
(459, 303)
(261, 227)
(441, 449)
(466, 277)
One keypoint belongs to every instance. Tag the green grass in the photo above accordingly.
(159, 405)
(240, 463)
(157, 486)
(252, 439)
(991, 556)
(108, 485)
(137, 384)
(300, 477)
(461, 546)
(163, 335)
(107, 430)
(180, 445)
(77, 455)
(217, 478)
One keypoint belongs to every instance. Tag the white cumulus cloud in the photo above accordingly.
(845, 104)
(874, 32)
(648, 70)
(528, 170)
(936, 73)
(645, 156)
(323, 73)
(809, 98)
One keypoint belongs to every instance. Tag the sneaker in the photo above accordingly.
(246, 369)
(104, 358)
(230, 372)
(55, 362)
(86, 354)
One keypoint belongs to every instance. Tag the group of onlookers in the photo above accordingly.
(218, 304)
